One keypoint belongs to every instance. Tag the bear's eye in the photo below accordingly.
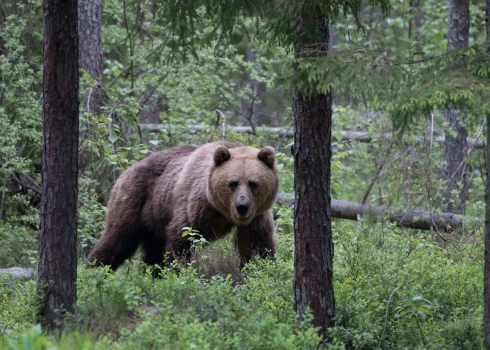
(233, 185)
(252, 185)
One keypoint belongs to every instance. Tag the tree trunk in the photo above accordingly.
(486, 272)
(313, 257)
(58, 229)
(487, 21)
(455, 147)
(90, 45)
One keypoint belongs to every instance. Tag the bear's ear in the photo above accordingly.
(268, 156)
(221, 155)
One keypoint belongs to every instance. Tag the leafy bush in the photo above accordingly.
(17, 305)
(393, 291)
(187, 311)
(399, 291)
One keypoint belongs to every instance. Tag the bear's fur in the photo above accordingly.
(211, 188)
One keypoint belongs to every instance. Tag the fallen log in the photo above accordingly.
(410, 218)
(358, 136)
(16, 273)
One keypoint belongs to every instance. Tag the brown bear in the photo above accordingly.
(211, 188)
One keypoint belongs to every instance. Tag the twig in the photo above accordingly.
(238, 112)
(222, 116)
(3, 196)
(386, 315)
(378, 172)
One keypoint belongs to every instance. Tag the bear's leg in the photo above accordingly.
(112, 250)
(256, 238)
(177, 246)
(154, 250)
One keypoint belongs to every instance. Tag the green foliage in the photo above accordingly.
(187, 310)
(91, 216)
(19, 245)
(20, 122)
(401, 87)
(184, 17)
(20, 109)
(392, 291)
(197, 240)
(17, 305)
(407, 291)
(32, 340)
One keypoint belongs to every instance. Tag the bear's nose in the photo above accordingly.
(242, 208)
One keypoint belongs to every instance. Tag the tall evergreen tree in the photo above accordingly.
(58, 231)
(90, 49)
(455, 144)
(313, 258)
(486, 270)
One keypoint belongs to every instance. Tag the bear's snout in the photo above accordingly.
(242, 208)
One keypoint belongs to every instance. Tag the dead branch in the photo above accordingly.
(358, 136)
(410, 218)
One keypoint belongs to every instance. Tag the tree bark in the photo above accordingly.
(455, 147)
(486, 272)
(313, 245)
(58, 214)
(90, 48)
(487, 21)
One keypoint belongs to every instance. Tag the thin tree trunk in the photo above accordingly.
(486, 272)
(313, 257)
(58, 229)
(90, 45)
(455, 147)
(249, 106)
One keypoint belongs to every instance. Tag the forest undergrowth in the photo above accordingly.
(393, 291)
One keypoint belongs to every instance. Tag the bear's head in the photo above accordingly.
(243, 182)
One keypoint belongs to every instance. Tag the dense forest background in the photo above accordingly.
(146, 90)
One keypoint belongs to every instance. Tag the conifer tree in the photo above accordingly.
(486, 270)
(455, 144)
(313, 258)
(90, 48)
(58, 225)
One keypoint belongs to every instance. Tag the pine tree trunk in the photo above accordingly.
(313, 257)
(486, 272)
(58, 228)
(487, 21)
(455, 147)
(90, 45)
